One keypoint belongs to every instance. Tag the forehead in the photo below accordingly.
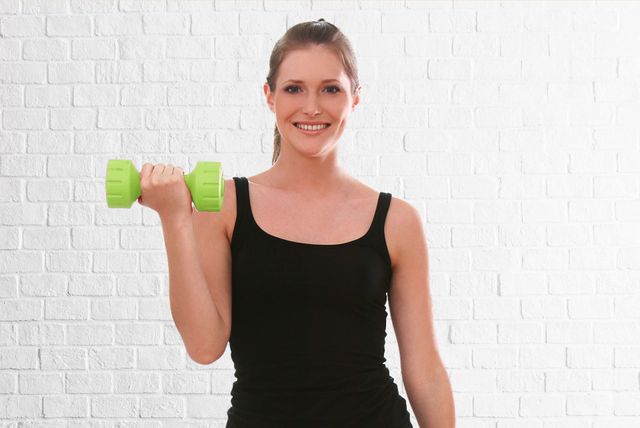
(312, 64)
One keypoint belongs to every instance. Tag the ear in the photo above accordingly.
(269, 96)
(356, 98)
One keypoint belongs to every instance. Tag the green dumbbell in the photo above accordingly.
(205, 183)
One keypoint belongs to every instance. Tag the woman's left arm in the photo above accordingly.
(423, 373)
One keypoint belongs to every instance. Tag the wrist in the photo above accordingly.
(176, 220)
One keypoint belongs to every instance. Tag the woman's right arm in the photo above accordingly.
(199, 257)
(198, 303)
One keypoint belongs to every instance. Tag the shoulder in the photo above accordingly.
(225, 218)
(403, 228)
(403, 224)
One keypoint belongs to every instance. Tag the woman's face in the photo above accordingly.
(311, 100)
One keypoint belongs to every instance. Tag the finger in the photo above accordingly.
(158, 169)
(156, 174)
(146, 170)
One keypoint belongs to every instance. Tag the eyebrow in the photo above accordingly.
(301, 81)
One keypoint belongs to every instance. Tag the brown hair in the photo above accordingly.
(318, 32)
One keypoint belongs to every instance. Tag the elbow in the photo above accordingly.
(206, 355)
(209, 352)
(205, 358)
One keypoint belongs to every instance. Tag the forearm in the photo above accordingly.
(432, 400)
(192, 307)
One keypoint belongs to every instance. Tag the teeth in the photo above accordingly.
(310, 127)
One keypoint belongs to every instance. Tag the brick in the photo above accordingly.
(190, 95)
(216, 23)
(93, 49)
(23, 73)
(71, 72)
(9, 50)
(21, 262)
(142, 6)
(46, 49)
(121, 309)
(93, 6)
(9, 6)
(401, 22)
(44, 383)
(48, 96)
(189, 47)
(73, 118)
(166, 24)
(238, 47)
(65, 406)
(14, 407)
(46, 238)
(12, 142)
(95, 95)
(24, 119)
(495, 405)
(142, 95)
(88, 383)
(10, 96)
(115, 407)
(73, 25)
(161, 407)
(142, 48)
(22, 26)
(118, 25)
(260, 22)
(44, 6)
(119, 118)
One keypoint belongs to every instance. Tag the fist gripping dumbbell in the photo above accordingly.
(205, 183)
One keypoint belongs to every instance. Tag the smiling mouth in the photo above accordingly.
(326, 125)
(312, 132)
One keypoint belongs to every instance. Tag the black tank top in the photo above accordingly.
(308, 329)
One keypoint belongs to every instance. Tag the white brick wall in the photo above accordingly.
(511, 125)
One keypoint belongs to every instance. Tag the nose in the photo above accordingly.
(311, 105)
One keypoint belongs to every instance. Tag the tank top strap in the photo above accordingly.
(381, 213)
(242, 211)
(376, 232)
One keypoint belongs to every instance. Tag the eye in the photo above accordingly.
(296, 86)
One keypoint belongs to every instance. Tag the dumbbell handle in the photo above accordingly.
(205, 183)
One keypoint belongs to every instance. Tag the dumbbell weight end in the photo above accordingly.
(122, 183)
(205, 183)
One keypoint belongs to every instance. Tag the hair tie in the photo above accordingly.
(322, 20)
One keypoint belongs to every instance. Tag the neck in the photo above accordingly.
(313, 177)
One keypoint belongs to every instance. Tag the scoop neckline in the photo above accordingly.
(309, 244)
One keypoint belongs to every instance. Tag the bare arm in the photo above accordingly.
(196, 246)
(193, 309)
(423, 373)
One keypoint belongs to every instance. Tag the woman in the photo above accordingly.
(299, 263)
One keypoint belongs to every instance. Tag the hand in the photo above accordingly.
(164, 190)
